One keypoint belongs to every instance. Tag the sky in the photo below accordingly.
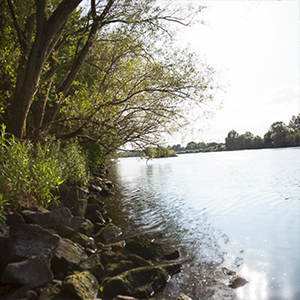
(254, 45)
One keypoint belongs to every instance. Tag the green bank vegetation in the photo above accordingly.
(30, 173)
(79, 82)
(279, 135)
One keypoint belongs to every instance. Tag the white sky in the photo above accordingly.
(255, 46)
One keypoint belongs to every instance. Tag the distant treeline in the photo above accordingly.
(279, 135)
(193, 147)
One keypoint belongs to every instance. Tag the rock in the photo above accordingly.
(182, 296)
(140, 282)
(26, 241)
(76, 237)
(98, 227)
(94, 200)
(83, 285)
(75, 198)
(95, 205)
(4, 234)
(122, 266)
(49, 292)
(4, 231)
(22, 293)
(48, 219)
(96, 217)
(109, 232)
(228, 272)
(67, 257)
(6, 289)
(98, 271)
(82, 225)
(138, 261)
(32, 272)
(14, 218)
(237, 281)
(90, 262)
(109, 257)
(124, 298)
(147, 248)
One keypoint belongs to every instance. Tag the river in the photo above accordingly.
(237, 209)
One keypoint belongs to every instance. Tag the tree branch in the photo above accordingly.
(17, 26)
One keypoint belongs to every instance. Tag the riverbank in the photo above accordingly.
(74, 251)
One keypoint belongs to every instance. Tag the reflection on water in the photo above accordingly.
(234, 209)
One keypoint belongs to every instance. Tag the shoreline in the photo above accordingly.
(75, 251)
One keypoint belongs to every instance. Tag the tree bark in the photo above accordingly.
(47, 34)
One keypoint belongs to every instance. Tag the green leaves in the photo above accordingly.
(30, 174)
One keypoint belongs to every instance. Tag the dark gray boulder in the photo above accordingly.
(67, 257)
(14, 218)
(23, 293)
(4, 233)
(140, 282)
(82, 225)
(95, 217)
(75, 198)
(146, 247)
(27, 240)
(32, 272)
(109, 232)
(237, 281)
(76, 237)
(48, 219)
(94, 265)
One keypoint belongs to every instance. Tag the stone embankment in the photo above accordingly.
(74, 251)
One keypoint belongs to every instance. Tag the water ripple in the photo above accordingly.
(235, 209)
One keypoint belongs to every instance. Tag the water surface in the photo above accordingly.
(237, 209)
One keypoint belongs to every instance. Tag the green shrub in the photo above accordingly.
(73, 163)
(46, 173)
(15, 175)
(30, 173)
(94, 155)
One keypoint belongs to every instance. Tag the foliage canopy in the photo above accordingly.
(107, 73)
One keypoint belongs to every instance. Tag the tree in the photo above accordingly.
(294, 123)
(191, 145)
(278, 132)
(48, 54)
(231, 139)
(257, 142)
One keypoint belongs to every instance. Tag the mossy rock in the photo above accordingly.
(93, 265)
(122, 266)
(146, 247)
(76, 237)
(98, 271)
(140, 282)
(83, 285)
(90, 262)
(109, 232)
(82, 225)
(67, 257)
(109, 257)
(98, 227)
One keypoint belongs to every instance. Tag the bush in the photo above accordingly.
(73, 164)
(94, 155)
(30, 173)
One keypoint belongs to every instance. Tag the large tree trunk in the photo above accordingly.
(47, 34)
